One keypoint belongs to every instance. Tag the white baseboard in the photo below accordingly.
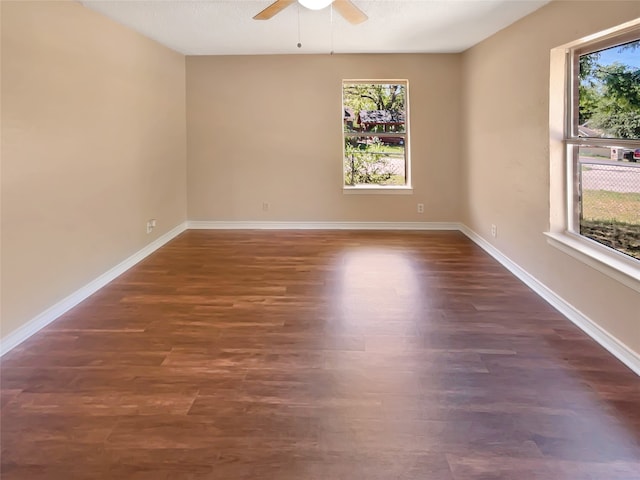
(618, 349)
(49, 315)
(244, 225)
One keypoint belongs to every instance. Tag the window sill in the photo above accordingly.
(618, 266)
(379, 190)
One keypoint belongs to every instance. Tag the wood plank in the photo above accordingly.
(317, 355)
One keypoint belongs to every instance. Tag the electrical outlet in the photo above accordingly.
(494, 231)
(265, 206)
(151, 224)
(421, 208)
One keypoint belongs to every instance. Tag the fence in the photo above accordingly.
(610, 175)
(610, 203)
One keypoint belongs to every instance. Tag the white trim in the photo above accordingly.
(40, 321)
(403, 190)
(612, 263)
(618, 349)
(249, 225)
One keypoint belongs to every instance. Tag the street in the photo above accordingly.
(624, 178)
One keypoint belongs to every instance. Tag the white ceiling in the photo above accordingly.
(223, 27)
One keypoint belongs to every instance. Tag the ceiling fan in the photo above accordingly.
(346, 8)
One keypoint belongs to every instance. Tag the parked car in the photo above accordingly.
(392, 140)
(620, 153)
(632, 155)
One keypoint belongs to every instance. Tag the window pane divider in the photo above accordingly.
(604, 142)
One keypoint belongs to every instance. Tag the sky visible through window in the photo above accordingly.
(617, 54)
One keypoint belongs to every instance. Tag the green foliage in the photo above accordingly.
(620, 84)
(610, 96)
(366, 163)
(589, 101)
(618, 123)
(374, 97)
(587, 91)
(588, 63)
(616, 109)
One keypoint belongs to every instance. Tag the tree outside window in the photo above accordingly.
(375, 133)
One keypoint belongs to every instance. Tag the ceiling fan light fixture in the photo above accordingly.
(315, 4)
(345, 8)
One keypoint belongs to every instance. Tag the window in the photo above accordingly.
(376, 138)
(602, 142)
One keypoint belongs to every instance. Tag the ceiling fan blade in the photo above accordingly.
(349, 11)
(273, 9)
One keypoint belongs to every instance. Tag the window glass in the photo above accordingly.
(603, 143)
(609, 198)
(375, 133)
(609, 92)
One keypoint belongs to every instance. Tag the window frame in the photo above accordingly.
(564, 232)
(406, 188)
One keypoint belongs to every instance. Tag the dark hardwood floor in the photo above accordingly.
(317, 355)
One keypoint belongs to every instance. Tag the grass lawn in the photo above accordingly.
(611, 206)
(613, 219)
(395, 180)
(398, 149)
(596, 152)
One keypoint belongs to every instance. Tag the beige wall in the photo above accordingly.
(269, 129)
(93, 145)
(506, 159)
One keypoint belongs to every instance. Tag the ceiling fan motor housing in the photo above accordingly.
(315, 4)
